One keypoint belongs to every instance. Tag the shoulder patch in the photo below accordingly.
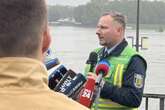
(138, 80)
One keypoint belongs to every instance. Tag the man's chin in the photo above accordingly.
(102, 44)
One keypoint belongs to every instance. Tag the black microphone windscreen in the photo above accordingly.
(56, 76)
(65, 81)
(91, 62)
(92, 58)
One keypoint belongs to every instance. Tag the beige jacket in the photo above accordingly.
(23, 86)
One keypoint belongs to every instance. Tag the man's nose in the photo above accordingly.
(98, 31)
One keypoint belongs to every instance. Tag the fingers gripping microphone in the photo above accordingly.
(92, 60)
(102, 70)
(56, 76)
(52, 63)
(86, 95)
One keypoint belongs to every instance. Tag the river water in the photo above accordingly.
(72, 46)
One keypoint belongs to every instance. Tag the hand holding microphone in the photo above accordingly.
(86, 94)
(102, 70)
(91, 91)
(75, 85)
(71, 84)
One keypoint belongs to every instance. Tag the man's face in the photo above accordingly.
(107, 31)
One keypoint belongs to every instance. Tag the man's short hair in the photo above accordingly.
(21, 23)
(118, 17)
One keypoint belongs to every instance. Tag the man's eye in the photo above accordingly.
(103, 27)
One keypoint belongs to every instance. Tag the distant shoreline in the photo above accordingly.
(156, 27)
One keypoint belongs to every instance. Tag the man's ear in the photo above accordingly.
(46, 40)
(119, 29)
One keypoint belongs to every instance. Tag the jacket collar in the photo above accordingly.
(22, 73)
(115, 52)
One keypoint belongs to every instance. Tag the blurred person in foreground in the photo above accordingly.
(24, 39)
(123, 85)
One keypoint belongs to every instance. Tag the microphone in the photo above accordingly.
(86, 96)
(52, 63)
(92, 61)
(65, 81)
(76, 83)
(55, 76)
(102, 70)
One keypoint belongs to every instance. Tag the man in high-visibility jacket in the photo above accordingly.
(123, 85)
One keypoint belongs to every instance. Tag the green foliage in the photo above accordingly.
(150, 12)
(56, 12)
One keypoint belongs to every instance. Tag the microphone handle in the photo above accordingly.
(91, 68)
(76, 95)
(99, 79)
(96, 96)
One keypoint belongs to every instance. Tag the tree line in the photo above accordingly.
(88, 14)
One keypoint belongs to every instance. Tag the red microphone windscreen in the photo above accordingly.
(103, 67)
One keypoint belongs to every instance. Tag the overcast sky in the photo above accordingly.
(72, 2)
(67, 2)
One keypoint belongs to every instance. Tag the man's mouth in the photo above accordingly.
(100, 38)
